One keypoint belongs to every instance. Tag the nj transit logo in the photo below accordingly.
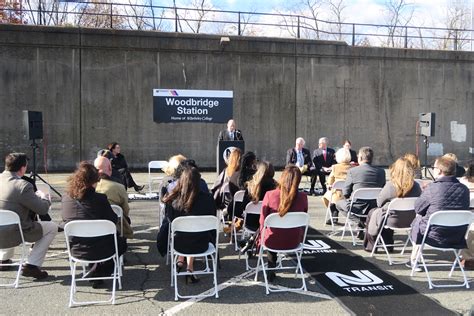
(360, 281)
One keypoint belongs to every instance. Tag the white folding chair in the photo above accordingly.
(471, 203)
(359, 194)
(253, 209)
(398, 206)
(92, 228)
(290, 220)
(337, 186)
(195, 224)
(10, 218)
(238, 197)
(155, 164)
(444, 218)
(118, 210)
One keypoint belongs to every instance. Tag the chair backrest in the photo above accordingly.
(451, 218)
(239, 196)
(253, 208)
(89, 228)
(290, 220)
(43, 187)
(366, 194)
(9, 218)
(194, 224)
(338, 185)
(117, 210)
(156, 164)
(471, 203)
(402, 204)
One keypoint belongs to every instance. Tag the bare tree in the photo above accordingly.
(199, 11)
(11, 12)
(399, 14)
(99, 15)
(457, 22)
(336, 8)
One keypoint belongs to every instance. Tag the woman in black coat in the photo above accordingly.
(187, 199)
(120, 164)
(82, 203)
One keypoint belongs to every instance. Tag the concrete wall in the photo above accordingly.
(95, 86)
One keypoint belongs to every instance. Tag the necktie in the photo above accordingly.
(324, 155)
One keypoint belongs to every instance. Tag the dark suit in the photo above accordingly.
(93, 206)
(224, 135)
(320, 162)
(292, 158)
(354, 158)
(363, 176)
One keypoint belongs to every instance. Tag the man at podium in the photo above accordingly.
(231, 133)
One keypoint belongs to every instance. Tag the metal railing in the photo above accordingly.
(209, 21)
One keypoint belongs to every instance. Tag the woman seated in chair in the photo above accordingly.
(282, 200)
(187, 199)
(120, 164)
(261, 182)
(338, 173)
(81, 202)
(402, 184)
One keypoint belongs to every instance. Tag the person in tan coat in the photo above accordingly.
(339, 172)
(115, 193)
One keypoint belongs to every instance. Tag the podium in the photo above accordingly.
(223, 148)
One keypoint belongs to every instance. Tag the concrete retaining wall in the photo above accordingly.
(95, 86)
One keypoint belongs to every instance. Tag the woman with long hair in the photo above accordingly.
(221, 190)
(415, 162)
(82, 202)
(402, 184)
(184, 200)
(286, 198)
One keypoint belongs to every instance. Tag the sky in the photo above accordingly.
(427, 12)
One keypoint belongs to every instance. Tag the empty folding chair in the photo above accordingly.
(337, 186)
(404, 209)
(365, 194)
(238, 197)
(9, 219)
(92, 228)
(290, 220)
(461, 219)
(194, 224)
(250, 209)
(155, 164)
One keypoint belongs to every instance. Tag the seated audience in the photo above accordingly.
(348, 145)
(282, 200)
(444, 194)
(186, 199)
(238, 181)
(170, 173)
(402, 184)
(459, 170)
(323, 159)
(301, 157)
(220, 190)
(18, 195)
(115, 193)
(82, 202)
(363, 176)
(338, 173)
(415, 162)
(468, 254)
(120, 164)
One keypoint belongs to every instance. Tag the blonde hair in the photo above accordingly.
(172, 164)
(264, 171)
(234, 162)
(289, 182)
(402, 176)
(451, 156)
(343, 155)
(413, 159)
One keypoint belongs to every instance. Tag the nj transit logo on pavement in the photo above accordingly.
(317, 246)
(361, 281)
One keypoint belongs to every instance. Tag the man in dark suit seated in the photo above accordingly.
(363, 176)
(231, 133)
(300, 157)
(323, 159)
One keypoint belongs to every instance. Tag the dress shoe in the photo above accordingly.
(138, 188)
(30, 270)
(96, 284)
(311, 192)
(6, 268)
(360, 235)
(271, 276)
(467, 264)
(191, 278)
